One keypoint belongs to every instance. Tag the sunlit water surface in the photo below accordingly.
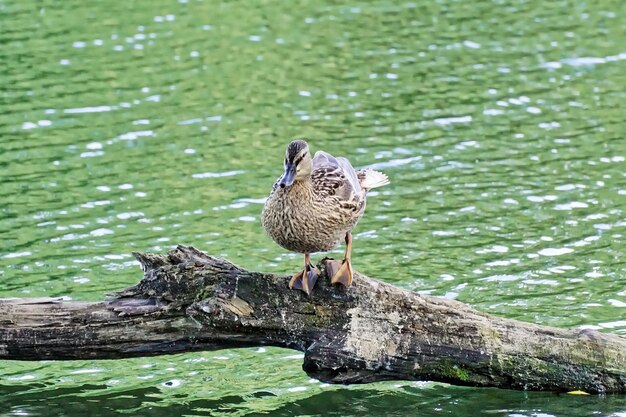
(130, 126)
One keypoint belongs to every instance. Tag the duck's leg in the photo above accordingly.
(341, 272)
(305, 279)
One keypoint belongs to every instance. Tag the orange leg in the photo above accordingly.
(341, 272)
(299, 282)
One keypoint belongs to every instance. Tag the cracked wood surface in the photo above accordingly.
(188, 301)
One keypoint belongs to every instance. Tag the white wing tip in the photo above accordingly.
(373, 179)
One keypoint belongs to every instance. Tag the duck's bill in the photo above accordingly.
(289, 176)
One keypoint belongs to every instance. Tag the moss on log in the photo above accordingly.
(188, 301)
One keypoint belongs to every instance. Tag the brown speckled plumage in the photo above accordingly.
(324, 202)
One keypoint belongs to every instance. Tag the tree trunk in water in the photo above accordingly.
(189, 301)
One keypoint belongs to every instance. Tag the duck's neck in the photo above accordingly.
(301, 188)
(303, 185)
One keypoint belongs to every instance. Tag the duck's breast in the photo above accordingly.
(302, 225)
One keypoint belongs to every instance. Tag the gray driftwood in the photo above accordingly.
(189, 301)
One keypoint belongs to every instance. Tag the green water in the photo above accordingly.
(133, 125)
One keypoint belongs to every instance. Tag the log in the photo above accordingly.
(189, 301)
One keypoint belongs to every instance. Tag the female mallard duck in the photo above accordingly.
(313, 205)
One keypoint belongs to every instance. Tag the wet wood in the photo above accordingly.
(188, 301)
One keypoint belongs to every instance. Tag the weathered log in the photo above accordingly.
(188, 301)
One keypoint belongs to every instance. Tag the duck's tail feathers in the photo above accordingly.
(369, 178)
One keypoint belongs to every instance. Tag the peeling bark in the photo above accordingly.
(188, 301)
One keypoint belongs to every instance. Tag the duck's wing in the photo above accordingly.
(335, 176)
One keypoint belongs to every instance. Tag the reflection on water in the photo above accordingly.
(389, 399)
(132, 127)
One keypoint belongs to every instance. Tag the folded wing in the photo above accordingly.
(336, 176)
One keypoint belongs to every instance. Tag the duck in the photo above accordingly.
(313, 206)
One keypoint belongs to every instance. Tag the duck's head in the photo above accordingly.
(298, 163)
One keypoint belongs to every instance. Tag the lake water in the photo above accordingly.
(134, 126)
